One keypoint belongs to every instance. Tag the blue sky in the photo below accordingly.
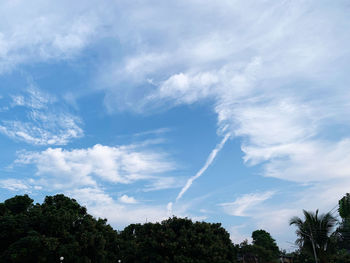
(227, 111)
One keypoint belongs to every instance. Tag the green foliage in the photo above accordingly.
(177, 240)
(302, 256)
(314, 233)
(330, 247)
(18, 204)
(61, 227)
(58, 227)
(344, 207)
(265, 246)
(341, 256)
(344, 227)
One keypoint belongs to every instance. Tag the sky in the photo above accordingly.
(224, 111)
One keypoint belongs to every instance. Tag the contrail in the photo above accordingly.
(210, 159)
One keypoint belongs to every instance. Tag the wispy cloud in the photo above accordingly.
(14, 185)
(45, 33)
(305, 162)
(274, 84)
(270, 84)
(276, 77)
(44, 123)
(242, 205)
(33, 99)
(164, 182)
(49, 129)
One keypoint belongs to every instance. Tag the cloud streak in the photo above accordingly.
(208, 162)
(242, 205)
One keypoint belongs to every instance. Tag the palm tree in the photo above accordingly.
(313, 233)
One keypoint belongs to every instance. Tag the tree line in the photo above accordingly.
(61, 230)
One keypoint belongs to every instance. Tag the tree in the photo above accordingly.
(314, 233)
(265, 245)
(344, 228)
(262, 249)
(344, 207)
(341, 237)
(61, 227)
(177, 240)
(58, 227)
(18, 204)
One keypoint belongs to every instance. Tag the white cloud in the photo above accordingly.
(38, 32)
(276, 220)
(243, 205)
(102, 205)
(63, 169)
(87, 174)
(311, 161)
(120, 214)
(270, 82)
(161, 183)
(14, 185)
(91, 196)
(34, 99)
(275, 73)
(236, 234)
(127, 199)
(189, 89)
(47, 129)
(44, 122)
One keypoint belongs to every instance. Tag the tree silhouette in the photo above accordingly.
(314, 233)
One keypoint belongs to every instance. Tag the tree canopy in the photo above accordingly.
(61, 227)
(341, 237)
(177, 240)
(58, 227)
(265, 245)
